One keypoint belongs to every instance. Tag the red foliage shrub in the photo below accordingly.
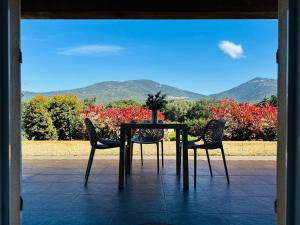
(108, 120)
(245, 121)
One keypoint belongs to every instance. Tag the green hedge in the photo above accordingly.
(53, 118)
(37, 121)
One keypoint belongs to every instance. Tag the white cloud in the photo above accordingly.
(93, 50)
(235, 51)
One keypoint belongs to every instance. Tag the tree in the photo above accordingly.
(88, 102)
(201, 109)
(65, 114)
(176, 110)
(198, 115)
(272, 101)
(123, 103)
(37, 122)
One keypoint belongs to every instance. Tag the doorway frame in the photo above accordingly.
(15, 111)
(4, 114)
(10, 95)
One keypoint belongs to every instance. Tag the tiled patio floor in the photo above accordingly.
(54, 194)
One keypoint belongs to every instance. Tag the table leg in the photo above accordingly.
(122, 159)
(128, 152)
(178, 158)
(185, 160)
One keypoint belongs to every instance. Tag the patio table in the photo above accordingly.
(126, 135)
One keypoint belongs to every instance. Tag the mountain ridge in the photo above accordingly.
(251, 91)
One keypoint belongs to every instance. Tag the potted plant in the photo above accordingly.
(155, 103)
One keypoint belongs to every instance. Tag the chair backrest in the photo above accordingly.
(213, 133)
(150, 135)
(91, 131)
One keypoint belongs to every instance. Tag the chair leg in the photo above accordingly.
(157, 148)
(127, 161)
(195, 166)
(131, 155)
(179, 159)
(162, 154)
(208, 160)
(225, 165)
(89, 165)
(142, 160)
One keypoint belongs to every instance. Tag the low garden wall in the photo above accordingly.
(82, 148)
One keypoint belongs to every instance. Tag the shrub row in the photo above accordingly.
(107, 120)
(61, 117)
(52, 118)
(245, 121)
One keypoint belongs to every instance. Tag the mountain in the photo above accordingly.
(252, 91)
(115, 90)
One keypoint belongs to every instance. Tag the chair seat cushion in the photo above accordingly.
(109, 143)
(192, 145)
(141, 141)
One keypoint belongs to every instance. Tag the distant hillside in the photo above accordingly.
(252, 91)
(115, 90)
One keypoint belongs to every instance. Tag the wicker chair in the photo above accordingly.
(212, 138)
(96, 143)
(149, 136)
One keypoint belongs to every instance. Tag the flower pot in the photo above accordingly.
(154, 116)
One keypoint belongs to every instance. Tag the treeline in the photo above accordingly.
(61, 117)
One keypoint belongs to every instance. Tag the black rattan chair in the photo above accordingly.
(149, 136)
(96, 143)
(212, 138)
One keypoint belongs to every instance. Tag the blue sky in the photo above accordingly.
(204, 56)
